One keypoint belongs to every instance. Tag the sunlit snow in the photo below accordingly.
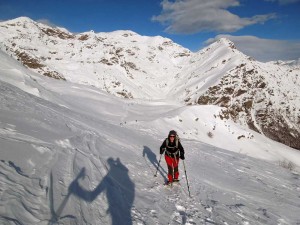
(71, 153)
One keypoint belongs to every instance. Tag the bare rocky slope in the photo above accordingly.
(262, 96)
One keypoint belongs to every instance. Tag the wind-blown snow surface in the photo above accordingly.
(71, 154)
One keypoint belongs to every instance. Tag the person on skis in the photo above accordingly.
(173, 151)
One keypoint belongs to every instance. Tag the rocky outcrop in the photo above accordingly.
(248, 97)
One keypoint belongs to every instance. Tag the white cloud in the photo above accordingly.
(192, 16)
(46, 22)
(264, 49)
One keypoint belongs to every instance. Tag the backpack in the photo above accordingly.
(177, 139)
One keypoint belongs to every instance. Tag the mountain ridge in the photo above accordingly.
(261, 96)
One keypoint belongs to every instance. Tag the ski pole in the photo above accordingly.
(158, 166)
(187, 182)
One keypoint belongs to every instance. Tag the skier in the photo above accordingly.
(173, 151)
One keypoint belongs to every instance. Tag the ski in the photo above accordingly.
(171, 184)
(168, 184)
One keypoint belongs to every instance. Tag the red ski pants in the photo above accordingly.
(172, 164)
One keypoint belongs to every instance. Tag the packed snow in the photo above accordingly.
(74, 154)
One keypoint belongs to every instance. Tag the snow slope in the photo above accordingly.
(261, 96)
(73, 154)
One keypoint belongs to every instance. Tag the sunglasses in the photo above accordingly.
(172, 136)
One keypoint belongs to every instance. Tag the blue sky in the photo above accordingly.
(264, 29)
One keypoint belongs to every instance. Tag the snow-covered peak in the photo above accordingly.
(129, 65)
(289, 63)
(19, 20)
(123, 63)
(225, 41)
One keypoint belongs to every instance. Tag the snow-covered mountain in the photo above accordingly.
(293, 64)
(262, 96)
(122, 62)
(73, 153)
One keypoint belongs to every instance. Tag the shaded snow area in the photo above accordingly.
(71, 154)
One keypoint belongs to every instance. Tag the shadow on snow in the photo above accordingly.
(152, 158)
(117, 185)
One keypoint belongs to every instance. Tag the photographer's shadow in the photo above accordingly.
(119, 189)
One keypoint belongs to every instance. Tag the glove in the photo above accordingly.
(162, 151)
(182, 156)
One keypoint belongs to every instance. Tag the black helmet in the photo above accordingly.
(172, 132)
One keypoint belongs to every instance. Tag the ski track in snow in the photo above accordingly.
(66, 164)
(226, 187)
